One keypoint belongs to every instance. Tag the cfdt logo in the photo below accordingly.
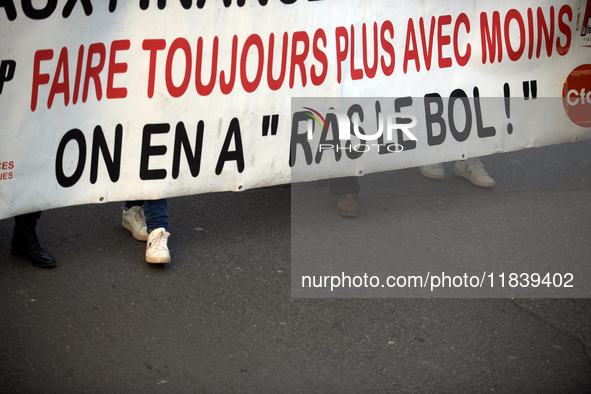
(576, 96)
(349, 126)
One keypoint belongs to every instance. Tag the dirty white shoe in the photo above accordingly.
(473, 170)
(433, 171)
(134, 220)
(157, 247)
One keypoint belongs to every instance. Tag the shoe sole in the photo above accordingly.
(158, 260)
(136, 236)
(474, 181)
(347, 214)
(431, 176)
(25, 256)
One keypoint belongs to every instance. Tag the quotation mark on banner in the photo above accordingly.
(274, 120)
(530, 86)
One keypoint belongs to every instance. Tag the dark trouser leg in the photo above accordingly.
(346, 185)
(156, 212)
(25, 242)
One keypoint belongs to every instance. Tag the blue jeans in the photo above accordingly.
(155, 212)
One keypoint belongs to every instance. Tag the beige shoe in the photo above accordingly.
(433, 171)
(134, 220)
(473, 170)
(348, 205)
(157, 247)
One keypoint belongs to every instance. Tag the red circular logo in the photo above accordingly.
(576, 95)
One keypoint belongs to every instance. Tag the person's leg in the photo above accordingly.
(25, 242)
(346, 185)
(156, 212)
(135, 203)
(28, 219)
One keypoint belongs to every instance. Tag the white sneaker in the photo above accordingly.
(157, 247)
(473, 170)
(134, 220)
(433, 171)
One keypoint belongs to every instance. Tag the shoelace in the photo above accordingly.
(138, 219)
(161, 240)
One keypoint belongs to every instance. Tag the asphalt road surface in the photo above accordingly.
(220, 318)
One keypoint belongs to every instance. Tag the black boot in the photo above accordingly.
(26, 244)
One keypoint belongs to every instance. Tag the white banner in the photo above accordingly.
(110, 100)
